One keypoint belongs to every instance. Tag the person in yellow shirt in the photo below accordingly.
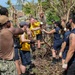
(25, 50)
(35, 28)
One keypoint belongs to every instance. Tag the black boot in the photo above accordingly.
(59, 60)
(54, 60)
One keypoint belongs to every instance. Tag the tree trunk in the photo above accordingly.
(68, 13)
(64, 17)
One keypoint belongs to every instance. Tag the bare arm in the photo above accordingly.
(37, 28)
(28, 31)
(16, 31)
(63, 46)
(71, 48)
(29, 34)
(62, 49)
(23, 38)
(50, 32)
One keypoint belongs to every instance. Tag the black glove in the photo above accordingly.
(32, 42)
(32, 45)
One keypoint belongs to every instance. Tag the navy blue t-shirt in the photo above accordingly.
(66, 34)
(57, 39)
(66, 39)
(57, 35)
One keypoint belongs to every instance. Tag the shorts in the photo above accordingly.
(64, 54)
(57, 45)
(16, 57)
(9, 68)
(25, 57)
(39, 36)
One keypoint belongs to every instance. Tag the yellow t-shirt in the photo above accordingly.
(25, 46)
(33, 32)
(36, 24)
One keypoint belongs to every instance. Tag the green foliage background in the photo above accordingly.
(51, 16)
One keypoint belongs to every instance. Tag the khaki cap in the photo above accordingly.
(3, 19)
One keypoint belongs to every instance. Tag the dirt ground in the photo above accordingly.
(43, 65)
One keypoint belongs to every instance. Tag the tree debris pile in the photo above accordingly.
(43, 63)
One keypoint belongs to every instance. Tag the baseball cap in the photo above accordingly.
(3, 19)
(23, 23)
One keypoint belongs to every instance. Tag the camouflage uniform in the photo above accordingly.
(7, 68)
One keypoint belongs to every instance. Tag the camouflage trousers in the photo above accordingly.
(7, 68)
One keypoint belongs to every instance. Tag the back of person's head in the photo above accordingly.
(3, 11)
(68, 25)
(58, 23)
(73, 17)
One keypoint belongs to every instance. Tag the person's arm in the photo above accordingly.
(29, 34)
(16, 31)
(70, 51)
(22, 38)
(28, 31)
(71, 48)
(49, 32)
(62, 49)
(37, 28)
(63, 46)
